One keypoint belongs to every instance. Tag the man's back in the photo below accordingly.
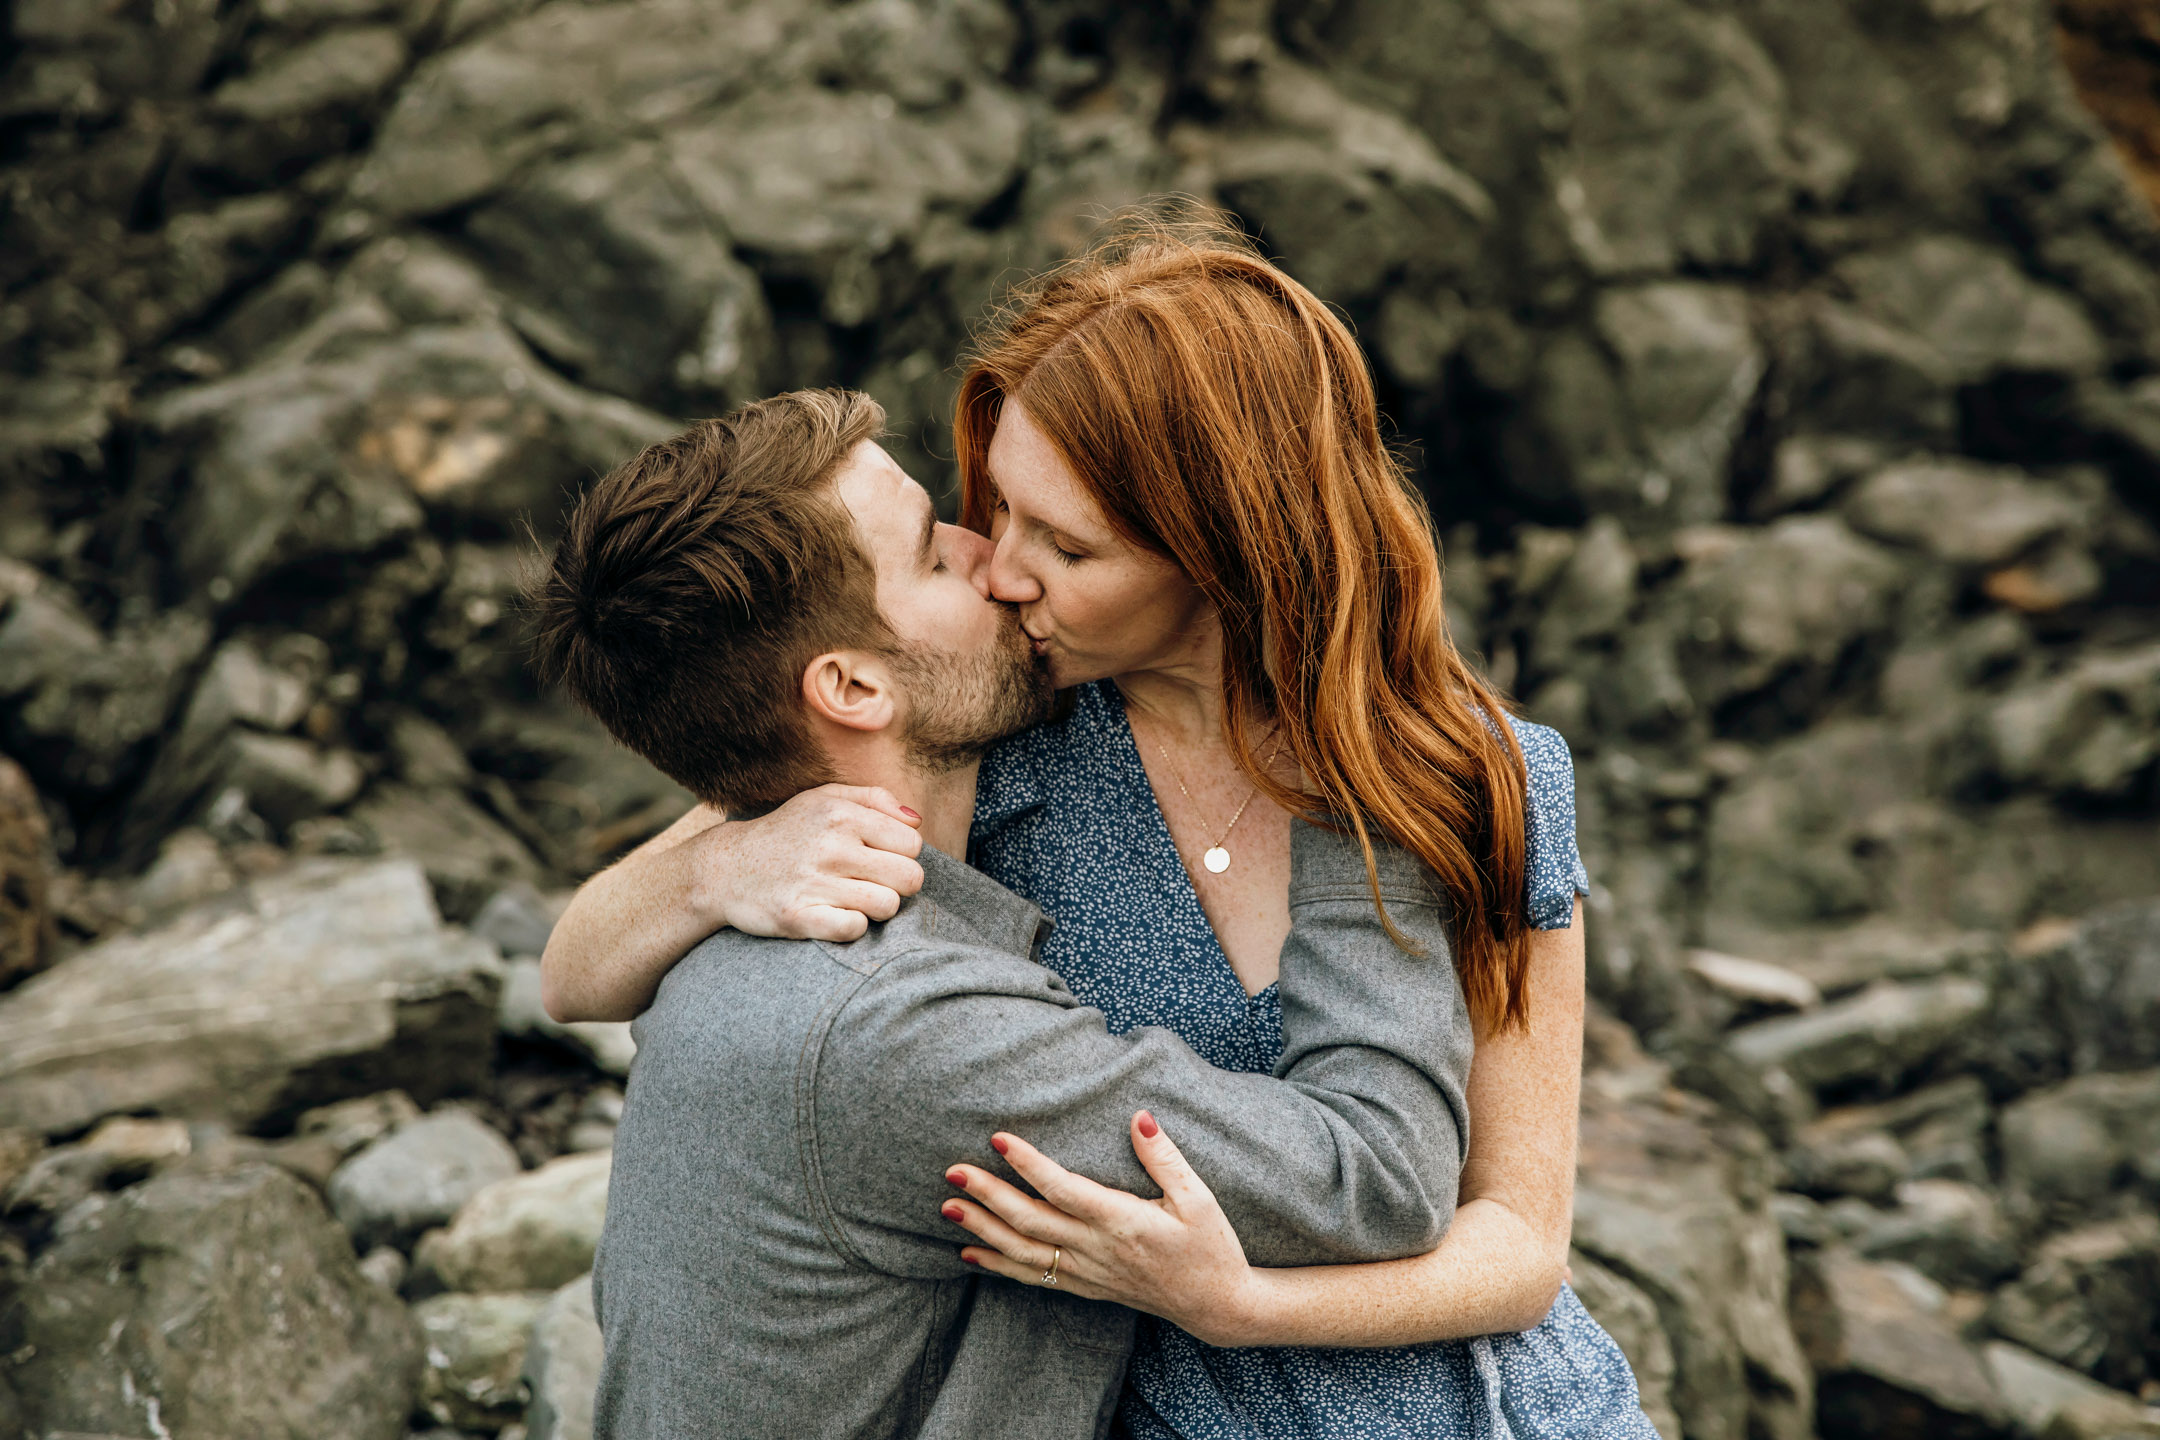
(774, 1263)
(729, 1289)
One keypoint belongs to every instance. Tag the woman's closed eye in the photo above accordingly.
(1001, 516)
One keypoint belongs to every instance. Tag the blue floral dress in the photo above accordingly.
(1064, 815)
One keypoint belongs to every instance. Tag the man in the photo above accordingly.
(767, 603)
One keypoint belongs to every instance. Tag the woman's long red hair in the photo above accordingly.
(1221, 415)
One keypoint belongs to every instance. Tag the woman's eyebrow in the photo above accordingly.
(929, 532)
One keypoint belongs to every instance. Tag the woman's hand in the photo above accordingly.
(1176, 1257)
(820, 867)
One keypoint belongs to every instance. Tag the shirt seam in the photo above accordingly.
(808, 1061)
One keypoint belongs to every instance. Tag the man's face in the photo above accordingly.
(969, 675)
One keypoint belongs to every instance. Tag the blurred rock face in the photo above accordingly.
(1785, 379)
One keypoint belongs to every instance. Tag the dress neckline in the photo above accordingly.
(1156, 830)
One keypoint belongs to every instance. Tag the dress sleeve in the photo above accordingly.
(1553, 872)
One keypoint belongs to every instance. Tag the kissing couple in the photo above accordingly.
(1125, 973)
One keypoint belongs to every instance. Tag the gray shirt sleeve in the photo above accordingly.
(1350, 1152)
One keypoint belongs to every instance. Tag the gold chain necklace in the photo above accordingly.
(1217, 858)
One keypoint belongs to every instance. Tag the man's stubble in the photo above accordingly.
(961, 705)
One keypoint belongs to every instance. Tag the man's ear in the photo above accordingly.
(852, 689)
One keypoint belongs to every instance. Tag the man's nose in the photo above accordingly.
(1011, 581)
(970, 554)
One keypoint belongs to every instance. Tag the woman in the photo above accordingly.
(1175, 448)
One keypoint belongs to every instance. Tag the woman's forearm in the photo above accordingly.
(1502, 1261)
(1492, 1273)
(629, 924)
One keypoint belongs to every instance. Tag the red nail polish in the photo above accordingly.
(971, 1259)
(997, 1143)
(953, 1213)
(1148, 1127)
(956, 1177)
(909, 813)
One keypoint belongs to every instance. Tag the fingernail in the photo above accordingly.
(1148, 1127)
(997, 1143)
(971, 1260)
(956, 1177)
(909, 813)
(953, 1213)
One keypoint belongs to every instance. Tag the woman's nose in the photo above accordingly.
(1011, 581)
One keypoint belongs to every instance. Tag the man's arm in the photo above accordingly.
(1352, 1154)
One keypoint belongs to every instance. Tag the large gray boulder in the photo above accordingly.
(2090, 1299)
(1888, 1363)
(1631, 1318)
(25, 877)
(1966, 514)
(1939, 1132)
(1951, 1232)
(1972, 306)
(1877, 1037)
(2108, 988)
(241, 691)
(410, 396)
(243, 1312)
(818, 140)
(2090, 730)
(2041, 1396)
(604, 1042)
(331, 979)
(81, 701)
(417, 1177)
(468, 855)
(625, 280)
(474, 1378)
(562, 1365)
(535, 1231)
(1670, 1198)
(2069, 1149)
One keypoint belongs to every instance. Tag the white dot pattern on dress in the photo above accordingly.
(1065, 816)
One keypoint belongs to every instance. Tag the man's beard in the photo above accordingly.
(961, 705)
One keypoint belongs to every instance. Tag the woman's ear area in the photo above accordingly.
(853, 689)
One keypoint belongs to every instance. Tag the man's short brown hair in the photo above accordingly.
(694, 583)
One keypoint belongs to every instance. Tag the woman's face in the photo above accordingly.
(1094, 604)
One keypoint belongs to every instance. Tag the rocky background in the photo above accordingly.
(1786, 381)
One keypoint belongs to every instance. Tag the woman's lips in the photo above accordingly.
(1035, 642)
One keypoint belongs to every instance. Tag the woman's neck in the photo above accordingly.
(1181, 695)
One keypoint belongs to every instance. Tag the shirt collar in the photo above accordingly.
(954, 893)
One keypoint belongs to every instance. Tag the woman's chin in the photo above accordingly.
(1065, 673)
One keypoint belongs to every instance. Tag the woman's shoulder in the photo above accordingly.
(1548, 763)
(1553, 868)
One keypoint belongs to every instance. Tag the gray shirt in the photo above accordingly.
(774, 1261)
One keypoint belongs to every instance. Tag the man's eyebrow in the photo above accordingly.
(929, 530)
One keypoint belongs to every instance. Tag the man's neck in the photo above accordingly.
(944, 798)
(946, 802)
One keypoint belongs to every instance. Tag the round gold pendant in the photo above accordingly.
(1217, 860)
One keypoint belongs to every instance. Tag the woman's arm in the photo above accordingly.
(1500, 1266)
(820, 867)
(1498, 1269)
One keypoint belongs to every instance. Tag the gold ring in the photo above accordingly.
(1049, 1276)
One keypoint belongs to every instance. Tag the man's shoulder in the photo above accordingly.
(732, 985)
(940, 998)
